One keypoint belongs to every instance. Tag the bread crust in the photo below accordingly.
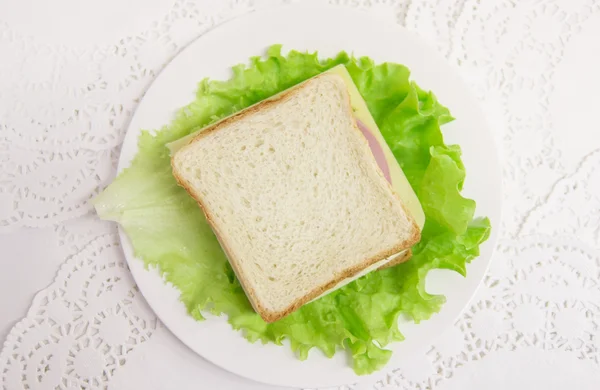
(402, 258)
(266, 314)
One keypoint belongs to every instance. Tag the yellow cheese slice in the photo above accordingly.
(399, 181)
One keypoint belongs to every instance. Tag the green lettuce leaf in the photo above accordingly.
(168, 230)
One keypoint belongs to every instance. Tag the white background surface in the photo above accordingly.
(69, 83)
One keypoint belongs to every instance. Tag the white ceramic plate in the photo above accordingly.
(328, 30)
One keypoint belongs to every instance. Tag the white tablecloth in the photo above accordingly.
(71, 74)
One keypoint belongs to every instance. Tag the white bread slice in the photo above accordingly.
(296, 198)
(399, 182)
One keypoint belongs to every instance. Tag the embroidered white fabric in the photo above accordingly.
(66, 98)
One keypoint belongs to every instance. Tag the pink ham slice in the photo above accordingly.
(376, 150)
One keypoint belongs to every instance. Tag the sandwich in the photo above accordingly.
(302, 192)
(294, 234)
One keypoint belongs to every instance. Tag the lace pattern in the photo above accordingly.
(65, 102)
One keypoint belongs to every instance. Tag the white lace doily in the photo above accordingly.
(66, 98)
